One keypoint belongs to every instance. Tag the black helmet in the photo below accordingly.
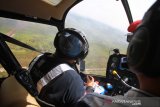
(116, 50)
(71, 43)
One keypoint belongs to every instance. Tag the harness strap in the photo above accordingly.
(19, 43)
(55, 72)
(34, 61)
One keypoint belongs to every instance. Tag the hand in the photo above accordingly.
(90, 81)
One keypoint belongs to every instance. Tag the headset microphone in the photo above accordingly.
(114, 73)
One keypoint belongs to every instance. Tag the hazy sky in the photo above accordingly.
(112, 12)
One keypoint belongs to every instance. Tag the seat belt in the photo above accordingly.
(19, 43)
(52, 74)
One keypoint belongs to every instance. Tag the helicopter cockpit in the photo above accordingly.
(28, 29)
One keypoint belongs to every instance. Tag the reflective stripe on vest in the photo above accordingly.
(56, 71)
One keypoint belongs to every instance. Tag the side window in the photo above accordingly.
(3, 73)
(38, 36)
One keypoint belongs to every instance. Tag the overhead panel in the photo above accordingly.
(44, 9)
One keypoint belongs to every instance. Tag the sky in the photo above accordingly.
(111, 12)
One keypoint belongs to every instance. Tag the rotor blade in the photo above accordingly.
(16, 42)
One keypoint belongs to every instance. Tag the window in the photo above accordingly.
(3, 72)
(105, 24)
(39, 36)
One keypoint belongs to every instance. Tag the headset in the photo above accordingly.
(71, 43)
(143, 53)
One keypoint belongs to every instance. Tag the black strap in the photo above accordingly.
(16, 42)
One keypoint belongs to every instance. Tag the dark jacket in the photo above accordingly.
(133, 98)
(63, 90)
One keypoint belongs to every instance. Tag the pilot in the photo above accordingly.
(113, 61)
(56, 75)
(112, 64)
(143, 56)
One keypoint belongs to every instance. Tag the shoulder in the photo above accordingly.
(98, 100)
(134, 92)
(72, 76)
(63, 72)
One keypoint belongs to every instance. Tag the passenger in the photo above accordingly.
(113, 62)
(144, 60)
(56, 75)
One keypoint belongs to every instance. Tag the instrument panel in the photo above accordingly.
(113, 85)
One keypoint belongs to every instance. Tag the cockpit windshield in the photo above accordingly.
(105, 24)
(103, 21)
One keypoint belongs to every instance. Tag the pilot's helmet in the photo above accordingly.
(71, 43)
